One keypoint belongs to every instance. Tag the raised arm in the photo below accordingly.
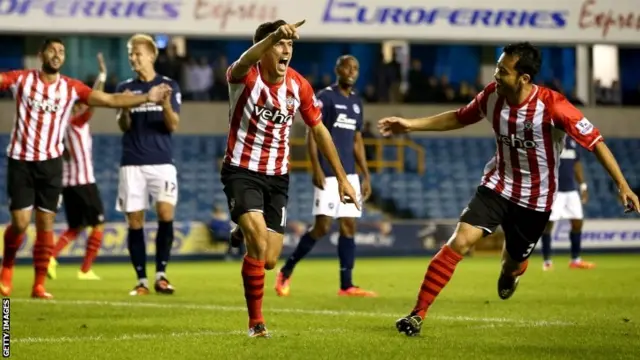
(9, 78)
(85, 114)
(249, 58)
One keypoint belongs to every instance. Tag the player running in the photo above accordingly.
(265, 94)
(80, 195)
(568, 206)
(519, 183)
(342, 115)
(44, 102)
(146, 167)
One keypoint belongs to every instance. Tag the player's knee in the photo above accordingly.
(348, 227)
(135, 220)
(464, 238)
(576, 226)
(270, 263)
(165, 211)
(321, 227)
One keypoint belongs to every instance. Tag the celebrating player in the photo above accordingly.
(568, 206)
(342, 114)
(519, 182)
(146, 167)
(80, 195)
(44, 101)
(265, 94)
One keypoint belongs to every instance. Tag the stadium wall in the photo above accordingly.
(212, 118)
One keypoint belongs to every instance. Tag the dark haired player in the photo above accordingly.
(81, 196)
(265, 94)
(146, 166)
(568, 206)
(520, 182)
(44, 102)
(342, 115)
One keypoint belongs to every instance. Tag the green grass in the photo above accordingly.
(562, 314)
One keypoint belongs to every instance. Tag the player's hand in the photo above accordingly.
(629, 200)
(158, 93)
(393, 126)
(366, 189)
(318, 179)
(101, 64)
(347, 193)
(584, 196)
(289, 31)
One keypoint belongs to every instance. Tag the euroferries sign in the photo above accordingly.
(551, 21)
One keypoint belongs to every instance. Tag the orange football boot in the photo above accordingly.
(6, 277)
(355, 291)
(581, 264)
(39, 292)
(282, 287)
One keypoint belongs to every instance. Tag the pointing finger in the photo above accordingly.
(299, 23)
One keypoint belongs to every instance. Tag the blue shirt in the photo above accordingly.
(342, 115)
(568, 158)
(148, 141)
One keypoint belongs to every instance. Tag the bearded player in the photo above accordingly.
(265, 94)
(342, 115)
(146, 166)
(519, 183)
(81, 196)
(44, 102)
(568, 206)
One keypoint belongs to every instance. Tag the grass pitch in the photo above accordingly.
(564, 314)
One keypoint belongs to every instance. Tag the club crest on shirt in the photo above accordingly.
(528, 125)
(356, 108)
(290, 103)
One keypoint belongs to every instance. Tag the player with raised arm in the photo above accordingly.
(80, 195)
(44, 102)
(265, 94)
(146, 167)
(520, 181)
(342, 115)
(568, 206)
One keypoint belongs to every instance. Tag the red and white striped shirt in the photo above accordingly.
(42, 113)
(78, 165)
(529, 139)
(260, 118)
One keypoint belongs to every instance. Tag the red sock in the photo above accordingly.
(64, 240)
(439, 272)
(253, 278)
(12, 242)
(93, 245)
(42, 251)
(522, 269)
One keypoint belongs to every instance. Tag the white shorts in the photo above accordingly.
(567, 206)
(139, 184)
(327, 202)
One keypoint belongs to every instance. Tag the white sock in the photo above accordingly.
(144, 282)
(160, 275)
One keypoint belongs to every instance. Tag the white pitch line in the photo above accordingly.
(537, 323)
(134, 337)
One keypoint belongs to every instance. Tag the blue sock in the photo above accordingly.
(576, 238)
(164, 242)
(347, 255)
(304, 247)
(138, 252)
(546, 246)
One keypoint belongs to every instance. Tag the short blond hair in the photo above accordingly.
(143, 39)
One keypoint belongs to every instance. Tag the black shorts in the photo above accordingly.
(247, 191)
(522, 227)
(83, 206)
(34, 184)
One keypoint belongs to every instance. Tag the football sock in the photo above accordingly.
(575, 238)
(253, 279)
(138, 252)
(347, 255)
(164, 241)
(546, 247)
(64, 240)
(93, 246)
(12, 242)
(42, 251)
(438, 274)
(305, 245)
